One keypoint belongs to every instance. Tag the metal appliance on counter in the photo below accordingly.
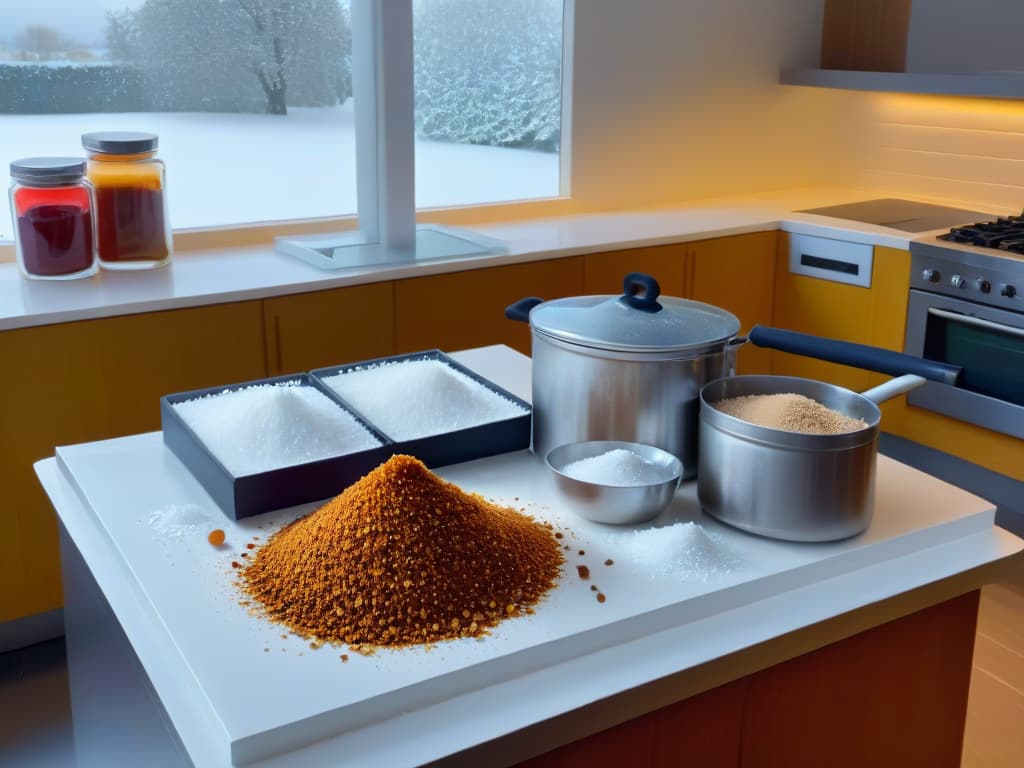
(966, 308)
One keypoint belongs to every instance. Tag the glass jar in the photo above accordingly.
(133, 230)
(52, 205)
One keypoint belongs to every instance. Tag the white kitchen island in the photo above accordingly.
(167, 666)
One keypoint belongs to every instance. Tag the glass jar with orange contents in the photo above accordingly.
(133, 230)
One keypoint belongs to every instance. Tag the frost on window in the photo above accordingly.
(489, 72)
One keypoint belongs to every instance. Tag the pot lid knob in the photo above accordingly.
(635, 282)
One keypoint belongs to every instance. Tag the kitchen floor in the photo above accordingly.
(35, 728)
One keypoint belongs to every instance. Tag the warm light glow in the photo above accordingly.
(906, 102)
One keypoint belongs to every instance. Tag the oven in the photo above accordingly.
(964, 308)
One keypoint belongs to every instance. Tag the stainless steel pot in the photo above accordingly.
(788, 485)
(793, 486)
(626, 367)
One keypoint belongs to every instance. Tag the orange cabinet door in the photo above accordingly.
(738, 274)
(92, 380)
(325, 328)
(467, 309)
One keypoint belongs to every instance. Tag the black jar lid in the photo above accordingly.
(51, 171)
(120, 142)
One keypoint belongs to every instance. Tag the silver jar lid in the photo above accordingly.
(631, 323)
(120, 142)
(48, 171)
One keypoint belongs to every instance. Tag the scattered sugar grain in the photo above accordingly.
(407, 399)
(619, 467)
(269, 426)
(685, 550)
(177, 520)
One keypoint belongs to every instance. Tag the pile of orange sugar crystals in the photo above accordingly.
(403, 557)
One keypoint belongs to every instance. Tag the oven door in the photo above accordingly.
(987, 342)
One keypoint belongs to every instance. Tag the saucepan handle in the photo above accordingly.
(893, 387)
(521, 309)
(858, 355)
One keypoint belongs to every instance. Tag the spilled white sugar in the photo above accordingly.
(619, 467)
(176, 520)
(407, 399)
(269, 426)
(684, 550)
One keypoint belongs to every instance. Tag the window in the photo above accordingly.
(488, 96)
(252, 99)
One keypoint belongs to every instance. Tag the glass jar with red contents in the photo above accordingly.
(52, 205)
(133, 230)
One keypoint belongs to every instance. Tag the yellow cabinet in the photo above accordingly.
(603, 272)
(325, 328)
(874, 315)
(467, 309)
(737, 273)
(91, 380)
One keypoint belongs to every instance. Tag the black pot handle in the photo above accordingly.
(521, 309)
(636, 281)
(858, 355)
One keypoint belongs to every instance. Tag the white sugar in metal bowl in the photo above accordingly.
(618, 466)
(616, 482)
(407, 399)
(270, 426)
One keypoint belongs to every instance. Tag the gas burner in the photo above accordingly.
(1005, 233)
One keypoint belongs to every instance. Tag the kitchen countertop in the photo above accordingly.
(217, 276)
(205, 654)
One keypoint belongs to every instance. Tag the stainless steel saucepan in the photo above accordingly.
(794, 486)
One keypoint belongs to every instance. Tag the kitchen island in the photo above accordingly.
(166, 665)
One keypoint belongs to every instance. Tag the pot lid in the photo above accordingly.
(635, 323)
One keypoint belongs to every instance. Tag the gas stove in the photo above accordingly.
(982, 262)
(966, 308)
(1005, 233)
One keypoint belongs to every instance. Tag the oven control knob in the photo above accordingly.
(1007, 290)
(931, 275)
(984, 286)
(957, 281)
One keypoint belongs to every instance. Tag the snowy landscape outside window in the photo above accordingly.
(487, 76)
(252, 98)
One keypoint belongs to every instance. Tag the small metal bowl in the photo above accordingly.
(615, 504)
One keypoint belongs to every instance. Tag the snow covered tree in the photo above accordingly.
(233, 55)
(489, 71)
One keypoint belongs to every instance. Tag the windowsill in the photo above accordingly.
(216, 275)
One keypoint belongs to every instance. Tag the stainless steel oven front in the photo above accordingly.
(964, 309)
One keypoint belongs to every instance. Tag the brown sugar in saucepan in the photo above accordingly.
(791, 413)
(403, 557)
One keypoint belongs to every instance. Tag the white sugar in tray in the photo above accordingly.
(407, 399)
(270, 426)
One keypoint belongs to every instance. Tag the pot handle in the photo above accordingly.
(857, 355)
(889, 389)
(636, 281)
(521, 309)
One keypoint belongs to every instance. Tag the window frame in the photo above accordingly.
(382, 80)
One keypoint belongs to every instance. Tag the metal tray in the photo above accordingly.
(254, 494)
(453, 447)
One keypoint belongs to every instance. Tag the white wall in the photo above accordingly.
(679, 99)
(958, 149)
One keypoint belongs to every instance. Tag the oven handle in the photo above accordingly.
(977, 322)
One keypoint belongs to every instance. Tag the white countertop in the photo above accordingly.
(206, 655)
(216, 276)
